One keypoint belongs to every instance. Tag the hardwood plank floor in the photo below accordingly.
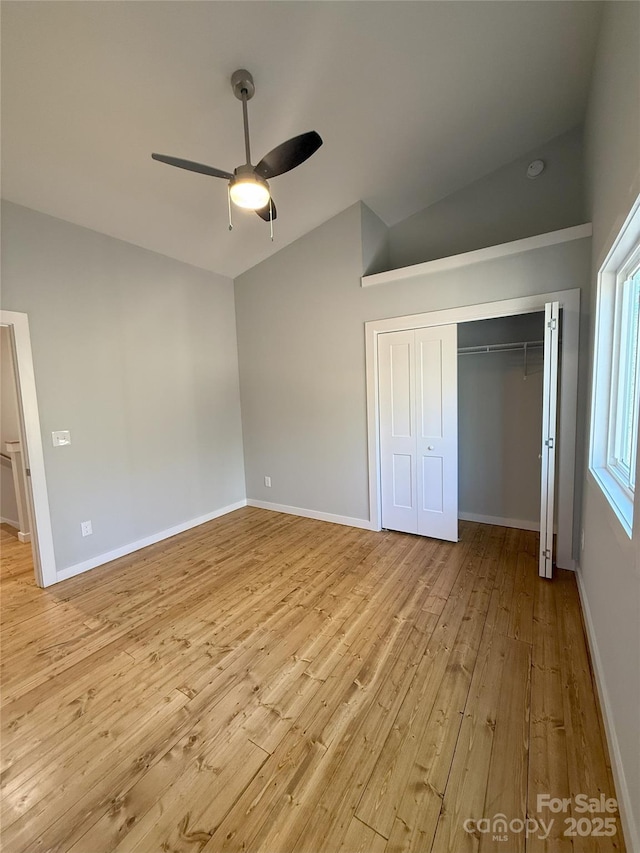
(272, 684)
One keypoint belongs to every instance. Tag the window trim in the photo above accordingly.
(624, 305)
(621, 259)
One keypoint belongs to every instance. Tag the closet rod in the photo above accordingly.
(511, 347)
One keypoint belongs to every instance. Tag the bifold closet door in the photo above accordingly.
(418, 418)
(549, 437)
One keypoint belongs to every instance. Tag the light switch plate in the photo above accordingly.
(61, 437)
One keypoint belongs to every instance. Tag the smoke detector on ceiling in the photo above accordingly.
(535, 169)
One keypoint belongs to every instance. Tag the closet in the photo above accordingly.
(467, 425)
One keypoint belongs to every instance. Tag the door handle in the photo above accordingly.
(430, 447)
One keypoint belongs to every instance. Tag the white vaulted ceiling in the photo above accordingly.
(413, 99)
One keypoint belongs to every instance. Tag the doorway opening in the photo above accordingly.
(500, 387)
(15, 328)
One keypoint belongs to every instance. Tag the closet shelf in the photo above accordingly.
(514, 247)
(516, 346)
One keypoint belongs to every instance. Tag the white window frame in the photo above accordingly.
(616, 482)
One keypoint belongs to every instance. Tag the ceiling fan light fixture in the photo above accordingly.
(247, 187)
(249, 191)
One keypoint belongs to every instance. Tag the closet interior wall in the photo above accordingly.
(500, 421)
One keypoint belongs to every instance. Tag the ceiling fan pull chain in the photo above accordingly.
(229, 201)
(271, 217)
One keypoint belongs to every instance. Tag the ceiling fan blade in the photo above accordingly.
(266, 212)
(289, 154)
(193, 167)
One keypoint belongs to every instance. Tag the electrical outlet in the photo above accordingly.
(86, 528)
(267, 482)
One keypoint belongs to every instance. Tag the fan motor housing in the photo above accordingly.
(247, 171)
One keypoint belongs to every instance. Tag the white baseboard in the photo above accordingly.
(101, 559)
(23, 537)
(631, 833)
(362, 523)
(519, 523)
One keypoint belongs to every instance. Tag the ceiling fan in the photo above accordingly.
(248, 185)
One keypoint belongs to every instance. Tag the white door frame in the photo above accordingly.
(570, 303)
(549, 435)
(41, 533)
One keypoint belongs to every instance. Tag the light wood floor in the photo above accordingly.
(276, 684)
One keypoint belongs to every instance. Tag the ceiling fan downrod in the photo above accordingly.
(244, 89)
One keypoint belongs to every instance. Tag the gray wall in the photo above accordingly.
(503, 206)
(301, 346)
(500, 420)
(136, 354)
(300, 318)
(610, 564)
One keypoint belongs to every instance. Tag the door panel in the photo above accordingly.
(549, 437)
(429, 354)
(437, 439)
(402, 481)
(397, 432)
(401, 391)
(418, 415)
(432, 484)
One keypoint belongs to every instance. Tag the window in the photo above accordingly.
(616, 388)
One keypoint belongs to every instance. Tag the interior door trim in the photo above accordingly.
(41, 532)
(549, 438)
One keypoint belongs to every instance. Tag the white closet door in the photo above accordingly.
(437, 431)
(549, 439)
(418, 415)
(396, 358)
